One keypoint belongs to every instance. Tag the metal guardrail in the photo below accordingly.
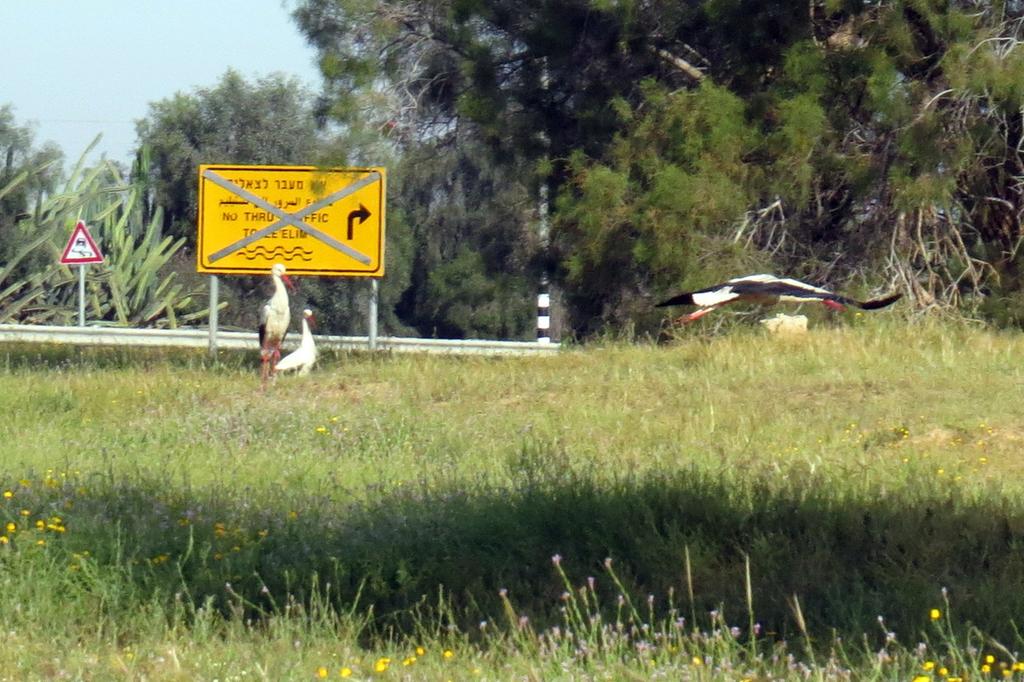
(200, 338)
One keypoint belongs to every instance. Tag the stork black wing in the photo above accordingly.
(877, 303)
(264, 313)
(680, 299)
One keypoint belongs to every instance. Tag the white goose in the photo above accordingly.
(303, 357)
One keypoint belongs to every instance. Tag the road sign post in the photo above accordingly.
(81, 250)
(81, 295)
(371, 315)
(214, 303)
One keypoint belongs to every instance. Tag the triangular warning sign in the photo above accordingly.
(81, 248)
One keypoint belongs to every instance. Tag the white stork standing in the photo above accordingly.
(303, 357)
(274, 320)
(766, 290)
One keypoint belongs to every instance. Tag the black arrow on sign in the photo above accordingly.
(363, 213)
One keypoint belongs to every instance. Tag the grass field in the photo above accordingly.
(843, 506)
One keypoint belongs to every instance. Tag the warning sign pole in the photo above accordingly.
(81, 294)
(81, 250)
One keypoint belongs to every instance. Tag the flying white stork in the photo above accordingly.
(766, 290)
(274, 320)
(303, 357)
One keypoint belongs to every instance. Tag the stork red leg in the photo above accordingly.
(268, 362)
(833, 305)
(694, 316)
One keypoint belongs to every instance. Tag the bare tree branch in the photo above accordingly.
(686, 67)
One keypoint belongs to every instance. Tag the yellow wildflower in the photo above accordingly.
(8, 494)
(696, 660)
(990, 659)
(345, 672)
(11, 526)
(928, 665)
(420, 651)
(4, 540)
(382, 664)
(448, 653)
(935, 614)
(321, 672)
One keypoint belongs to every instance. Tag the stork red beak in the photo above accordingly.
(288, 281)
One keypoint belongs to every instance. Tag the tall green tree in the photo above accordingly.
(28, 173)
(472, 273)
(269, 121)
(910, 117)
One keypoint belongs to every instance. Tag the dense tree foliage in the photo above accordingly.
(27, 174)
(843, 140)
(470, 268)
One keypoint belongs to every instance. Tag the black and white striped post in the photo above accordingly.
(544, 235)
(544, 314)
(543, 294)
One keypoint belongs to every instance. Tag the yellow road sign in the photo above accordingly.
(315, 221)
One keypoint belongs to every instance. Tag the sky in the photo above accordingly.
(73, 69)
